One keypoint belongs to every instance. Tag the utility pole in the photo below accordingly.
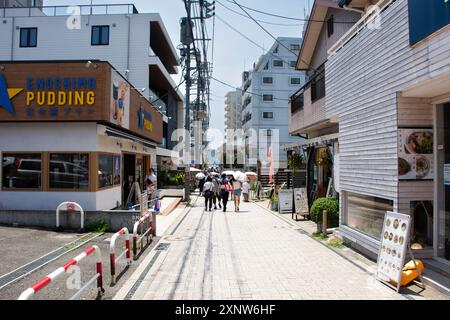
(194, 48)
(187, 38)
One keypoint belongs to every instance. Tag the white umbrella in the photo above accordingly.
(228, 173)
(251, 174)
(240, 176)
(200, 176)
(194, 170)
(215, 174)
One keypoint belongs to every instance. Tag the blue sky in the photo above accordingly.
(233, 53)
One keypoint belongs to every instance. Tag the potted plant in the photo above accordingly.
(274, 199)
(322, 158)
(331, 205)
(295, 161)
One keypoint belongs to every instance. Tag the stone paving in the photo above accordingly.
(247, 255)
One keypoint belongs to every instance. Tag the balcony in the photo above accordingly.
(157, 101)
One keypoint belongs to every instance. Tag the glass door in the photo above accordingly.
(443, 146)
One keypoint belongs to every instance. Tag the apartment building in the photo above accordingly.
(233, 110)
(387, 81)
(307, 116)
(265, 97)
(136, 44)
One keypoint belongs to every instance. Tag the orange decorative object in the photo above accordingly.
(410, 273)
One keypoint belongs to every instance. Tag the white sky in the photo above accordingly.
(233, 53)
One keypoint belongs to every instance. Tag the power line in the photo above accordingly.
(265, 30)
(250, 40)
(285, 17)
(249, 92)
(262, 21)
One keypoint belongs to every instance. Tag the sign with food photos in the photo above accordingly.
(415, 154)
(394, 243)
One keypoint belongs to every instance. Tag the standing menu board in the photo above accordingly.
(301, 201)
(394, 243)
(285, 201)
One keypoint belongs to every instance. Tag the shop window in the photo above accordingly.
(69, 171)
(100, 36)
(366, 213)
(108, 170)
(28, 37)
(21, 171)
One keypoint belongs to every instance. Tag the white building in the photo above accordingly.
(233, 110)
(136, 44)
(266, 90)
(137, 48)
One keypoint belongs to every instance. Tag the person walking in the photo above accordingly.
(245, 190)
(208, 192)
(224, 185)
(237, 192)
(216, 196)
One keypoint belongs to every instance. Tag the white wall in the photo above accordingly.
(362, 81)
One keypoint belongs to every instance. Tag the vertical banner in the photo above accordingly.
(120, 101)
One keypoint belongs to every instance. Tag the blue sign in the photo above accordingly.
(427, 17)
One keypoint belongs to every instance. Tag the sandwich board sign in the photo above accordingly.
(301, 201)
(395, 239)
(285, 201)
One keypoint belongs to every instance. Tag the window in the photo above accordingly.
(295, 47)
(296, 81)
(277, 63)
(28, 37)
(268, 97)
(293, 64)
(330, 26)
(105, 170)
(267, 80)
(69, 171)
(297, 101)
(267, 115)
(100, 36)
(269, 133)
(366, 213)
(21, 171)
(318, 84)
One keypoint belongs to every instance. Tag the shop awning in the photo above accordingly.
(312, 142)
(122, 135)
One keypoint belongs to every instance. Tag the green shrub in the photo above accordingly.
(332, 207)
(98, 226)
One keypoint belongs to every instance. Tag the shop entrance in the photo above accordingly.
(443, 196)
(129, 172)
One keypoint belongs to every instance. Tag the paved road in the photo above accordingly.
(247, 255)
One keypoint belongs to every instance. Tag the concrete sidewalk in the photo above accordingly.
(252, 254)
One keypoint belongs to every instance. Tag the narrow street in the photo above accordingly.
(251, 254)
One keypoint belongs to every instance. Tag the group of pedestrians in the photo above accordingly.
(216, 191)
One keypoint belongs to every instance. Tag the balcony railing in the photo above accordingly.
(369, 18)
(297, 101)
(156, 101)
(54, 11)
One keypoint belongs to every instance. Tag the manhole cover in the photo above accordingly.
(162, 247)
